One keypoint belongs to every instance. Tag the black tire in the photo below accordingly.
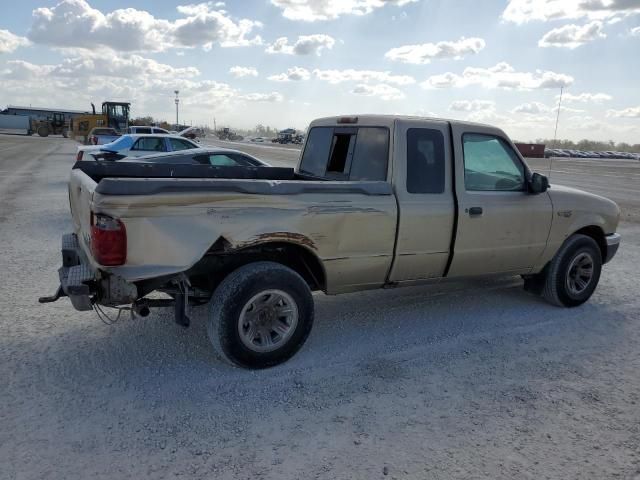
(556, 288)
(43, 131)
(235, 292)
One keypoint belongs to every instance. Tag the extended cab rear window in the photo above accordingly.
(346, 153)
(425, 161)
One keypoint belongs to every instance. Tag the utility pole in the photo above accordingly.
(215, 128)
(177, 102)
(555, 133)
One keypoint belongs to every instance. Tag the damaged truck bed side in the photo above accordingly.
(375, 201)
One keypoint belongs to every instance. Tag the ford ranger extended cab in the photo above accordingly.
(375, 201)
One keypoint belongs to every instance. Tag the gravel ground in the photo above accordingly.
(459, 380)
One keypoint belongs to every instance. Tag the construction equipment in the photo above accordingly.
(53, 125)
(227, 134)
(114, 115)
(288, 135)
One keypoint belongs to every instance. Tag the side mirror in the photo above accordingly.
(538, 183)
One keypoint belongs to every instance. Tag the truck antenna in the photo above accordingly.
(555, 132)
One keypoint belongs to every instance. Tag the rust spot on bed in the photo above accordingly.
(295, 238)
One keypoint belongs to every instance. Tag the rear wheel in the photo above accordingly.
(43, 131)
(573, 274)
(260, 315)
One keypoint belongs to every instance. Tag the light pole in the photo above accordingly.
(177, 102)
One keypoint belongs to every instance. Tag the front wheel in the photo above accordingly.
(573, 274)
(260, 315)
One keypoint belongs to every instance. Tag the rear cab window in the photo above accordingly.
(346, 153)
(425, 161)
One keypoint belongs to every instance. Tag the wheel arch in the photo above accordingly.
(222, 259)
(597, 233)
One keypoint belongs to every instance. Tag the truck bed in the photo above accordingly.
(174, 215)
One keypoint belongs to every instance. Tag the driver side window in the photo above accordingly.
(490, 164)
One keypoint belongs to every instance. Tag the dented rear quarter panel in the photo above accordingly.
(353, 234)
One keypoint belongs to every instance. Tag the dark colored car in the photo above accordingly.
(220, 157)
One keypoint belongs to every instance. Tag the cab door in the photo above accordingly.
(502, 228)
(423, 186)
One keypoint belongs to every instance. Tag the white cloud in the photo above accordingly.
(305, 45)
(313, 10)
(292, 74)
(532, 108)
(262, 97)
(472, 105)
(240, 72)
(382, 91)
(635, 31)
(631, 112)
(572, 36)
(568, 109)
(523, 11)
(75, 24)
(147, 83)
(586, 97)
(351, 75)
(105, 64)
(425, 52)
(207, 27)
(10, 42)
(501, 75)
(489, 116)
(21, 70)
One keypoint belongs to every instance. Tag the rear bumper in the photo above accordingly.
(86, 285)
(613, 243)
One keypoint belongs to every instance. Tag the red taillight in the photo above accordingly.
(108, 240)
(79, 155)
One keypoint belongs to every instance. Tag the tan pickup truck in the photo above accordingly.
(375, 201)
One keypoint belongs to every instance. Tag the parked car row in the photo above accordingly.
(558, 152)
(165, 148)
(104, 135)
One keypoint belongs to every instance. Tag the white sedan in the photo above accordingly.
(136, 146)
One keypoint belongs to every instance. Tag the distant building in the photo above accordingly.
(38, 113)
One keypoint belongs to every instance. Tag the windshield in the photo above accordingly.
(122, 143)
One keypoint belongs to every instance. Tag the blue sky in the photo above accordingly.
(500, 62)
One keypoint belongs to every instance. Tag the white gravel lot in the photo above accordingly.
(453, 381)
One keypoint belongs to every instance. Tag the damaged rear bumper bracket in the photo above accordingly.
(85, 285)
(74, 276)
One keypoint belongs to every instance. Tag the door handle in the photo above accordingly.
(474, 211)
